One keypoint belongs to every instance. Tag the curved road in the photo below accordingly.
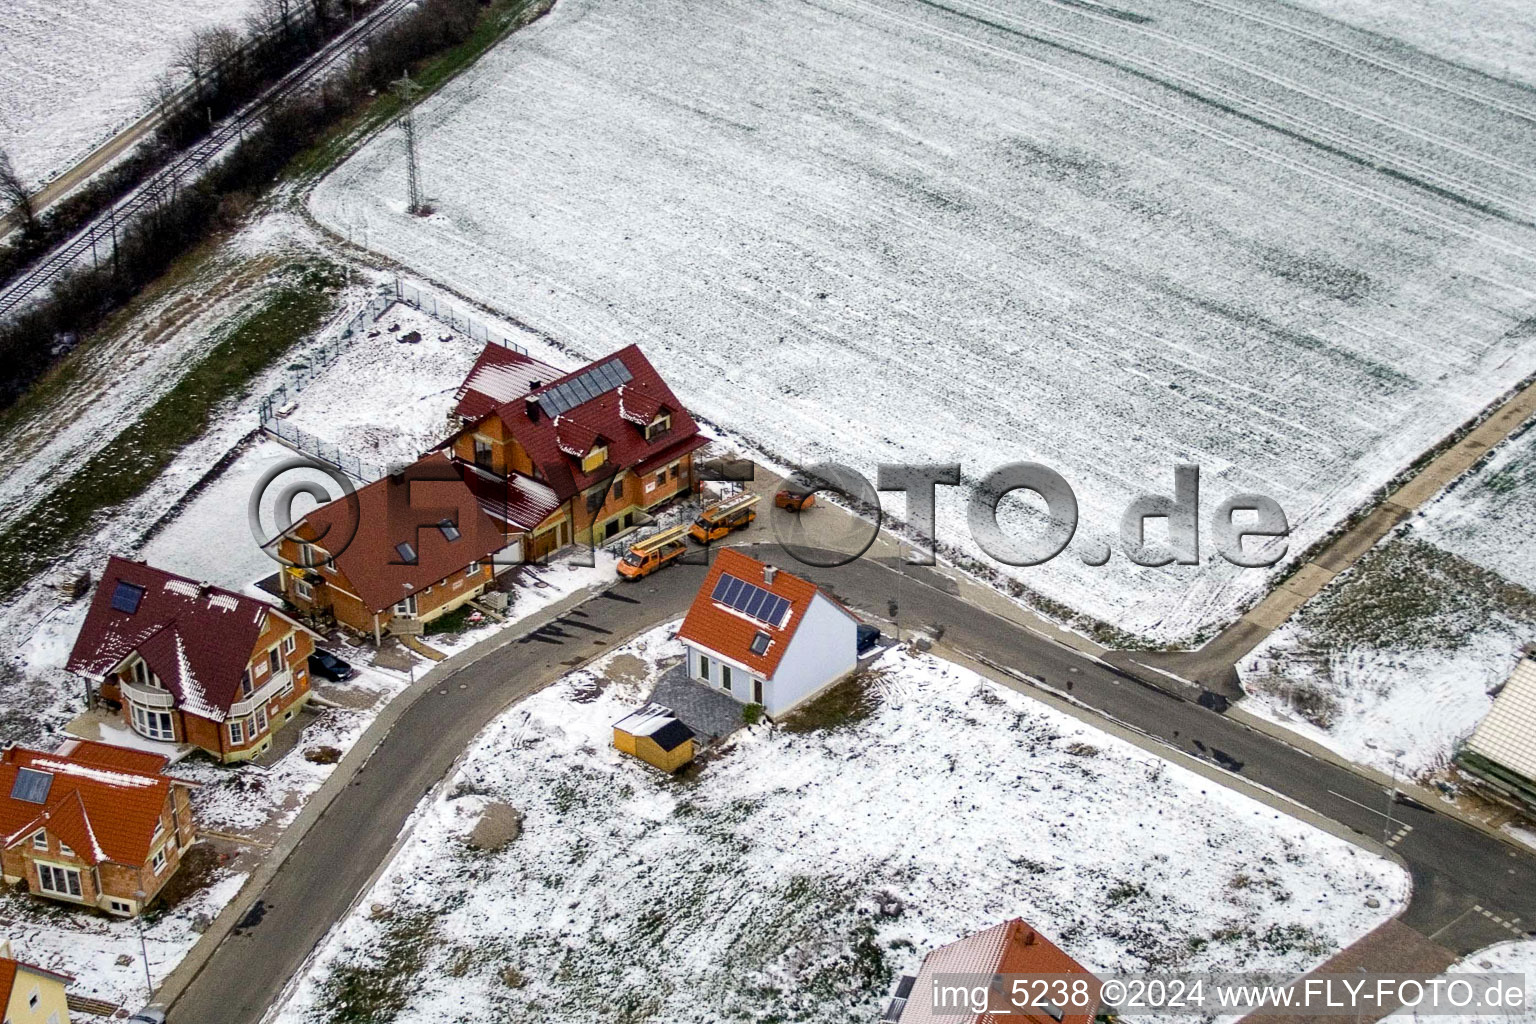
(1457, 871)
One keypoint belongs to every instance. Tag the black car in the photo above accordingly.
(327, 666)
(867, 637)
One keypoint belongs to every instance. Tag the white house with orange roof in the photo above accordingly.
(766, 636)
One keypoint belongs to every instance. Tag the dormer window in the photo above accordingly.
(658, 426)
(594, 459)
(143, 676)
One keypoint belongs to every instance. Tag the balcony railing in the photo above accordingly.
(271, 688)
(147, 696)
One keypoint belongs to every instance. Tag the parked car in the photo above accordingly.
(327, 666)
(153, 1014)
(866, 638)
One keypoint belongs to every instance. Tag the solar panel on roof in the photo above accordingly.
(126, 597)
(31, 785)
(750, 599)
(585, 386)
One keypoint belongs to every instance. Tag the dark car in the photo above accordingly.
(866, 638)
(327, 666)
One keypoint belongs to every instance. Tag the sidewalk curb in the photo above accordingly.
(346, 769)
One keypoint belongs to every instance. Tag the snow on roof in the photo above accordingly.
(1507, 734)
(647, 720)
(110, 778)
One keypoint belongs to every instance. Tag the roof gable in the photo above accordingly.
(101, 808)
(559, 436)
(500, 375)
(722, 619)
(1012, 947)
(403, 509)
(195, 637)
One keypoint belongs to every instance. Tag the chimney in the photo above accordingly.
(396, 475)
(1029, 937)
(532, 402)
(769, 572)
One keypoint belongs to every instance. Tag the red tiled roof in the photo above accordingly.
(195, 637)
(103, 813)
(9, 969)
(517, 500)
(556, 443)
(112, 757)
(499, 375)
(401, 509)
(1012, 947)
(728, 632)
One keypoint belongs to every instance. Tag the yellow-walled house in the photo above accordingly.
(32, 995)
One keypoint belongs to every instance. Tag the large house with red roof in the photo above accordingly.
(92, 824)
(193, 663)
(765, 636)
(579, 457)
(999, 955)
(396, 554)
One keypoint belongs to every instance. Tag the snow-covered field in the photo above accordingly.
(1496, 36)
(73, 73)
(385, 400)
(753, 886)
(1505, 958)
(1400, 652)
(1107, 240)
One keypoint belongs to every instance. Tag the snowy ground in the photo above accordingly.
(1400, 652)
(1496, 36)
(385, 400)
(1128, 244)
(71, 74)
(752, 885)
(1505, 958)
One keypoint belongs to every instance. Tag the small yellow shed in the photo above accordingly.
(655, 736)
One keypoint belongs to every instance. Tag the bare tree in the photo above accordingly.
(192, 57)
(15, 194)
(274, 17)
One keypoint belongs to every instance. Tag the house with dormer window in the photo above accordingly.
(559, 458)
(92, 824)
(396, 554)
(765, 636)
(192, 663)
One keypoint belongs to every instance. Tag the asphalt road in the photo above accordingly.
(1455, 868)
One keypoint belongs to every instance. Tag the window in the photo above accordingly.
(155, 725)
(1053, 1011)
(658, 426)
(40, 841)
(482, 451)
(760, 642)
(407, 552)
(450, 530)
(118, 906)
(245, 682)
(311, 556)
(472, 569)
(274, 661)
(725, 677)
(59, 881)
(65, 851)
(34, 998)
(406, 607)
(703, 668)
(261, 721)
(594, 459)
(126, 597)
(618, 488)
(237, 732)
(676, 469)
(303, 591)
(157, 862)
(290, 642)
(142, 675)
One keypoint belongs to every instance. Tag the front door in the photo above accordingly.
(757, 691)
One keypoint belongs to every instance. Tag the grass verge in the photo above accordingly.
(127, 464)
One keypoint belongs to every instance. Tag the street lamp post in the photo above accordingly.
(1386, 831)
(149, 982)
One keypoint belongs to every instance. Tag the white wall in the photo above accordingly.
(822, 649)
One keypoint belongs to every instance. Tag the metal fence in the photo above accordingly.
(303, 370)
(442, 311)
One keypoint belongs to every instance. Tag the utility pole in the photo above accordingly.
(407, 90)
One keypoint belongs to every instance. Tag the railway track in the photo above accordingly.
(97, 240)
